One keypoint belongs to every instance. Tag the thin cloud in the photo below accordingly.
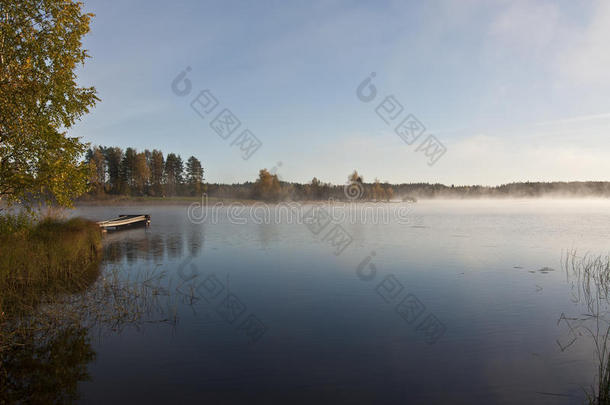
(570, 120)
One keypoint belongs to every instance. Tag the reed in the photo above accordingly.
(54, 298)
(590, 276)
(45, 354)
(45, 257)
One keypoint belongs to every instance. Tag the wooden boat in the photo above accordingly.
(124, 221)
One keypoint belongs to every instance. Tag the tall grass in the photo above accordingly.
(44, 257)
(53, 297)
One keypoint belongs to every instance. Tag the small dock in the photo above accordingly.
(125, 221)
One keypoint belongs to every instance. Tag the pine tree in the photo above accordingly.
(156, 172)
(127, 171)
(173, 174)
(113, 156)
(194, 175)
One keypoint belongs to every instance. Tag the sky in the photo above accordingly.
(512, 90)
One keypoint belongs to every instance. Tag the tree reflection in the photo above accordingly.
(195, 241)
(130, 247)
(44, 355)
(45, 368)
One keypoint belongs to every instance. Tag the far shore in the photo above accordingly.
(185, 200)
(133, 200)
(182, 200)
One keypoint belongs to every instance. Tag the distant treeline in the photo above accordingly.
(129, 172)
(511, 190)
(268, 187)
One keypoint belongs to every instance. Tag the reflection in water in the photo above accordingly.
(131, 246)
(44, 348)
(45, 355)
(195, 241)
(113, 252)
(46, 367)
(173, 243)
(157, 248)
(267, 233)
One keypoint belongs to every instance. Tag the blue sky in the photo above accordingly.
(515, 90)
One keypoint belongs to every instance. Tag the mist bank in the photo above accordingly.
(378, 191)
(275, 190)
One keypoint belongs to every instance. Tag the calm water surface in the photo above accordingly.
(280, 317)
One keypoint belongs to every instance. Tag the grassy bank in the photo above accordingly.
(42, 258)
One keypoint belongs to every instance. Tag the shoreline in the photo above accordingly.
(185, 201)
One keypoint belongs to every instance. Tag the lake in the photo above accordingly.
(432, 302)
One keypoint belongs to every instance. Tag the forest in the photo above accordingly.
(114, 171)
